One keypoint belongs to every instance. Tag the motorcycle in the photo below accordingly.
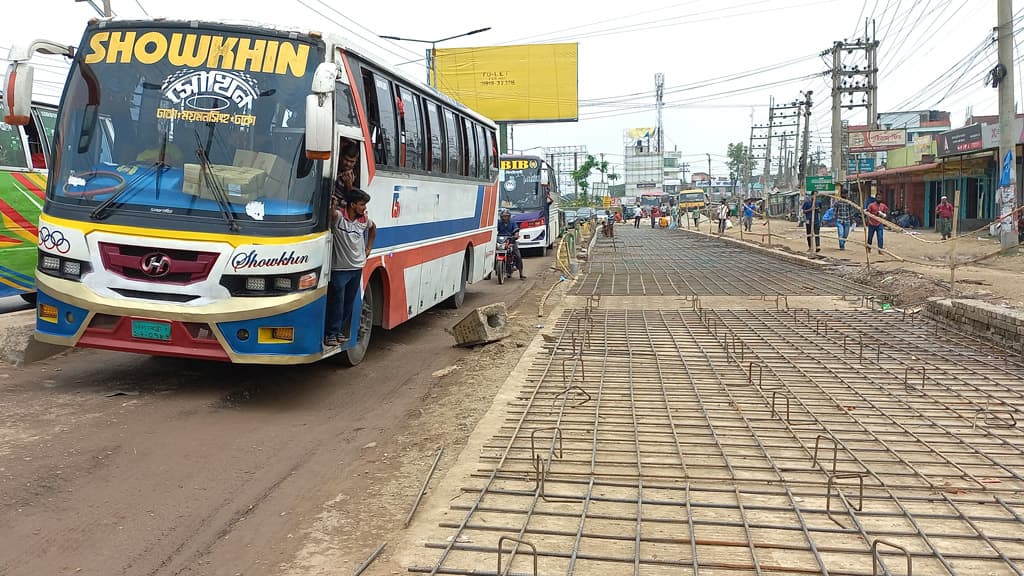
(504, 258)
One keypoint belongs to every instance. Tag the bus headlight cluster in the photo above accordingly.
(61, 267)
(277, 285)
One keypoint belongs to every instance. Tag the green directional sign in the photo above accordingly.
(820, 184)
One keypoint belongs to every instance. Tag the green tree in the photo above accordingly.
(740, 161)
(581, 176)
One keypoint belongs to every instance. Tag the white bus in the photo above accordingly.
(191, 182)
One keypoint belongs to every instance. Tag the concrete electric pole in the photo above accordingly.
(1003, 78)
(802, 168)
(855, 80)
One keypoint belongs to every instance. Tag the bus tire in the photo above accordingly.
(543, 251)
(29, 297)
(455, 301)
(353, 356)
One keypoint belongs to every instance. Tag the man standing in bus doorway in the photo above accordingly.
(353, 233)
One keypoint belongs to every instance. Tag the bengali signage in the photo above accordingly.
(877, 140)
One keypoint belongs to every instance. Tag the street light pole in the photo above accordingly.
(432, 55)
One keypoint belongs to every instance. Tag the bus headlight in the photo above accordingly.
(271, 285)
(61, 267)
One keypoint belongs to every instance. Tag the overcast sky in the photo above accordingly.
(621, 47)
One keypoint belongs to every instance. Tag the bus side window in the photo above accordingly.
(436, 161)
(413, 130)
(470, 139)
(344, 108)
(481, 152)
(452, 140)
(388, 122)
(373, 118)
(492, 159)
(464, 147)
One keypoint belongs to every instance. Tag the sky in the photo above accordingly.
(722, 59)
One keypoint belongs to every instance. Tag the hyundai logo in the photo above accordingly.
(156, 264)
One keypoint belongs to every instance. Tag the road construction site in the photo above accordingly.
(696, 406)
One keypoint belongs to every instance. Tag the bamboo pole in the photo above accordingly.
(956, 241)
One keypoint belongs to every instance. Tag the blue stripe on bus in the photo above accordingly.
(398, 235)
(6, 291)
(15, 275)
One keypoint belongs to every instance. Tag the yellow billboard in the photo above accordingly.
(524, 83)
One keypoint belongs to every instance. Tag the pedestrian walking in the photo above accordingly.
(877, 210)
(723, 217)
(637, 216)
(945, 213)
(811, 211)
(844, 214)
(748, 215)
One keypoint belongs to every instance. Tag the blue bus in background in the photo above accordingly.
(527, 188)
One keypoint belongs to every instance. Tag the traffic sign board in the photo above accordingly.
(820, 184)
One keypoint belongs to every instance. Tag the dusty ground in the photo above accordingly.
(118, 464)
(916, 265)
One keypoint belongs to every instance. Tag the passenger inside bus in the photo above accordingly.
(348, 167)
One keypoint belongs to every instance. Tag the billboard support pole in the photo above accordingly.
(503, 137)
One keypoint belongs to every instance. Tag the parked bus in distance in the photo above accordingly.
(691, 200)
(529, 190)
(192, 183)
(24, 158)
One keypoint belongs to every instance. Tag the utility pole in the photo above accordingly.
(1003, 78)
(802, 169)
(850, 81)
(659, 91)
(838, 174)
(768, 148)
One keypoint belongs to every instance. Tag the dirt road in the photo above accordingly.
(117, 464)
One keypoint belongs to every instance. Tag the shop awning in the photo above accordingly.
(894, 171)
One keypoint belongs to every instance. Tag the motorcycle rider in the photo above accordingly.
(506, 227)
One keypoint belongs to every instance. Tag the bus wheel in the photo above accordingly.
(455, 300)
(29, 297)
(543, 251)
(355, 355)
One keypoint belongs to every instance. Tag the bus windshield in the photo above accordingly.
(186, 125)
(521, 186)
(691, 197)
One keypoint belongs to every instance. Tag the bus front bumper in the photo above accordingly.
(239, 330)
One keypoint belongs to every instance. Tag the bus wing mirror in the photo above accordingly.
(319, 126)
(18, 93)
(324, 78)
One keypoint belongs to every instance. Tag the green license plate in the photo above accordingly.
(151, 330)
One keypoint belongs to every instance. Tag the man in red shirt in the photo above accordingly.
(876, 211)
(945, 213)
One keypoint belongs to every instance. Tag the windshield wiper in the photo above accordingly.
(206, 173)
(100, 211)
